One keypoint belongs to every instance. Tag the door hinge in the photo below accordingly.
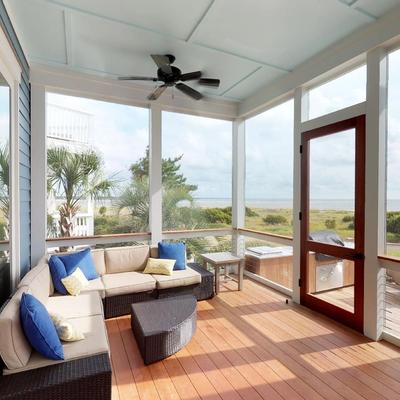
(300, 282)
(300, 216)
(301, 149)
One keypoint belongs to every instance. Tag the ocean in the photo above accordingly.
(319, 204)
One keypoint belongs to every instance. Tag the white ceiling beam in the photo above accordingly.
(68, 37)
(63, 80)
(199, 22)
(63, 6)
(350, 49)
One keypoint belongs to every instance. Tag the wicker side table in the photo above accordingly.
(162, 327)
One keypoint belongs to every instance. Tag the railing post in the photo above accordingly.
(38, 173)
(155, 178)
(238, 184)
(300, 115)
(375, 191)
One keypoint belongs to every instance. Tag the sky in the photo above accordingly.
(120, 133)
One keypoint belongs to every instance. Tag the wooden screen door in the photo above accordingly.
(332, 220)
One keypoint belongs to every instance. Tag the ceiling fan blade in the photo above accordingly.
(137, 78)
(209, 82)
(157, 92)
(162, 62)
(194, 94)
(190, 76)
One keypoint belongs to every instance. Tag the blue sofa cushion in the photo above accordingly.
(82, 259)
(58, 272)
(39, 328)
(173, 251)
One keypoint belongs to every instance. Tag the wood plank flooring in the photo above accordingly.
(252, 345)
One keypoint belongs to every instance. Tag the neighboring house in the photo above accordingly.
(71, 129)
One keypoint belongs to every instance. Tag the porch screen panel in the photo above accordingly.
(5, 190)
(269, 170)
(343, 91)
(393, 158)
(196, 172)
(97, 163)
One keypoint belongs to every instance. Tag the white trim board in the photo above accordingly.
(64, 81)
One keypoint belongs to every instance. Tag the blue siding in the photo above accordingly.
(24, 142)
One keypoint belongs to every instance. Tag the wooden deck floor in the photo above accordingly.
(251, 345)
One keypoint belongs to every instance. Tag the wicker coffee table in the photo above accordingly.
(163, 326)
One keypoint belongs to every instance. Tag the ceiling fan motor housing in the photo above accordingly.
(170, 78)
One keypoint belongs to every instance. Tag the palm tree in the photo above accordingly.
(5, 185)
(75, 177)
(135, 199)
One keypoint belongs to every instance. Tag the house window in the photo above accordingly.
(196, 172)
(97, 167)
(269, 170)
(5, 190)
(344, 91)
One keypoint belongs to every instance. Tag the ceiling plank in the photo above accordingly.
(198, 23)
(71, 9)
(240, 81)
(353, 5)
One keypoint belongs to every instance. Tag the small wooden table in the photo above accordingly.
(218, 260)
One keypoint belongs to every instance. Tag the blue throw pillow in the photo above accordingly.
(173, 251)
(84, 260)
(39, 328)
(58, 272)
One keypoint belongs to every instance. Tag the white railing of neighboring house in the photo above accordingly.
(83, 224)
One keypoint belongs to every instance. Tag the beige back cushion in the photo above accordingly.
(39, 281)
(126, 259)
(154, 251)
(98, 259)
(14, 348)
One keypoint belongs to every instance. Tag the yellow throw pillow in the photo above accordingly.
(65, 330)
(75, 282)
(159, 266)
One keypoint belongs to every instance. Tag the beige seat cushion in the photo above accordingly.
(39, 281)
(14, 348)
(95, 342)
(128, 282)
(98, 259)
(126, 259)
(184, 277)
(86, 304)
(95, 285)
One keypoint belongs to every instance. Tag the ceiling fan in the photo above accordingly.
(171, 76)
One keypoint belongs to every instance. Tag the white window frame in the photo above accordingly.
(11, 71)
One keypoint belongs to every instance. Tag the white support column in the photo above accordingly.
(38, 173)
(375, 191)
(238, 184)
(155, 178)
(300, 115)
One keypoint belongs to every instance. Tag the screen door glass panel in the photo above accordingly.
(332, 189)
(331, 279)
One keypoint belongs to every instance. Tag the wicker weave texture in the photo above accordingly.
(167, 338)
(116, 306)
(83, 379)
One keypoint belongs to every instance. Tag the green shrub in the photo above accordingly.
(272, 219)
(351, 226)
(218, 215)
(393, 222)
(102, 211)
(330, 223)
(348, 218)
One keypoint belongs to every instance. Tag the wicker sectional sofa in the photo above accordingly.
(86, 371)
